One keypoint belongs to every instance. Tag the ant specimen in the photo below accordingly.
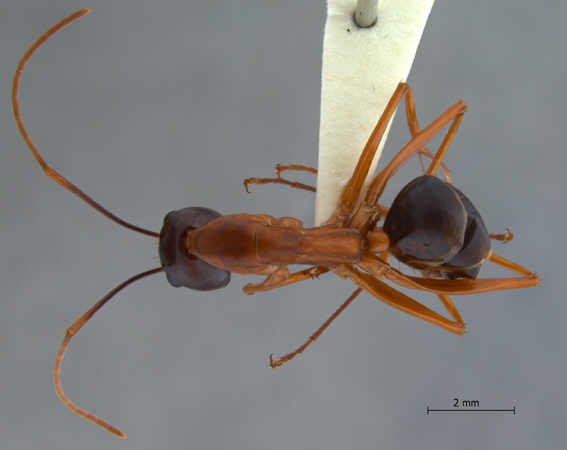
(432, 227)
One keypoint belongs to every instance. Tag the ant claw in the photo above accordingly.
(504, 237)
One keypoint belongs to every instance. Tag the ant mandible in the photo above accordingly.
(431, 226)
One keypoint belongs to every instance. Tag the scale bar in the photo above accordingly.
(476, 409)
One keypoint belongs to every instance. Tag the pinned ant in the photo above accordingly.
(431, 226)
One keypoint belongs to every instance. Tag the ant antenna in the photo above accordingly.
(70, 333)
(50, 172)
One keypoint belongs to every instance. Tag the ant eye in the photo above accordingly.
(172, 280)
(168, 215)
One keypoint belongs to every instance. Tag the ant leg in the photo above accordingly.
(447, 303)
(450, 306)
(438, 159)
(509, 265)
(396, 299)
(285, 221)
(366, 209)
(466, 286)
(290, 222)
(273, 283)
(294, 184)
(504, 237)
(381, 269)
(279, 275)
(294, 167)
(281, 168)
(278, 362)
(352, 189)
(414, 128)
(453, 114)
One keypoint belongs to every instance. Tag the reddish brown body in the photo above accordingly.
(259, 244)
(199, 248)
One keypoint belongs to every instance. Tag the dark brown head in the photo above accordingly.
(181, 267)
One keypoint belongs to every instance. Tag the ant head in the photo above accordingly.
(181, 267)
(426, 223)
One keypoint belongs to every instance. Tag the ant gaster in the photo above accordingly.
(431, 226)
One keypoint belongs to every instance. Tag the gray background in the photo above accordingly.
(153, 106)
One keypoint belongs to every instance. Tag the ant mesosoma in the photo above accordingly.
(431, 226)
